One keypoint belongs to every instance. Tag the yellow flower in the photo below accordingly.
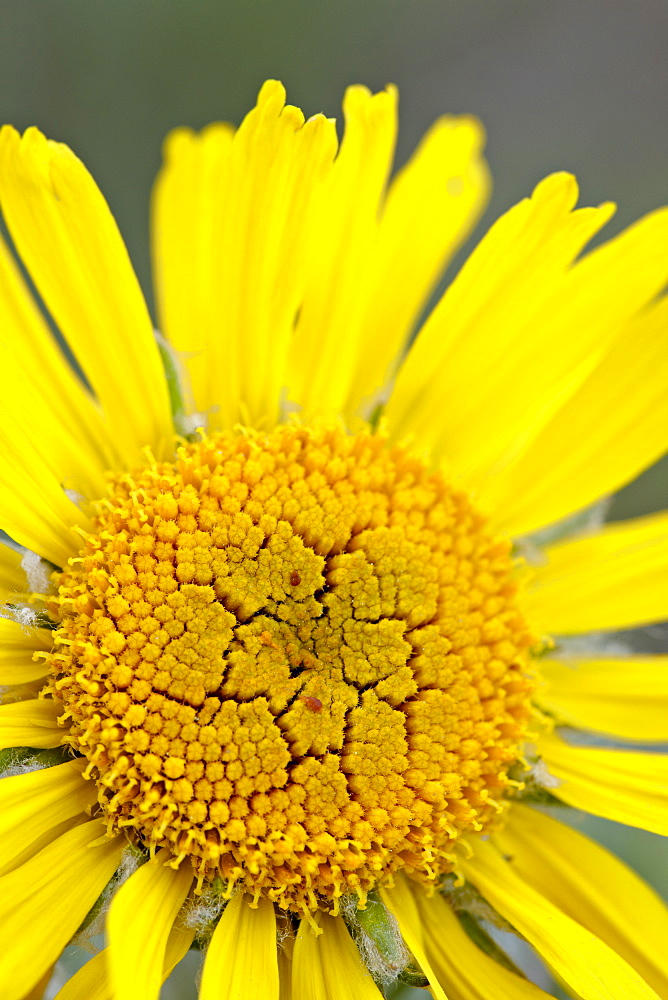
(275, 679)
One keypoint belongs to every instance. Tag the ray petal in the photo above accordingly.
(591, 969)
(518, 300)
(33, 804)
(52, 406)
(400, 902)
(13, 581)
(17, 645)
(621, 696)
(65, 879)
(612, 580)
(431, 206)
(623, 785)
(592, 886)
(611, 428)
(327, 966)
(230, 218)
(31, 723)
(34, 508)
(242, 959)
(465, 971)
(69, 242)
(326, 343)
(92, 981)
(139, 923)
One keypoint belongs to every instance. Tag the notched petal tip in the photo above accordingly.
(560, 186)
(359, 100)
(469, 131)
(33, 160)
(272, 95)
(291, 114)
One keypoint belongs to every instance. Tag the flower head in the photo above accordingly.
(277, 681)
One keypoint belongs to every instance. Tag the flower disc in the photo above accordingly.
(294, 659)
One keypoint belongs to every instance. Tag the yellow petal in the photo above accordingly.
(614, 579)
(241, 961)
(40, 389)
(623, 696)
(518, 301)
(139, 922)
(38, 845)
(13, 582)
(32, 723)
(63, 880)
(327, 966)
(326, 345)
(33, 804)
(401, 903)
(65, 457)
(589, 967)
(463, 969)
(17, 645)
(230, 219)
(178, 945)
(431, 206)
(64, 232)
(184, 246)
(623, 785)
(92, 981)
(34, 509)
(611, 429)
(593, 887)
(517, 264)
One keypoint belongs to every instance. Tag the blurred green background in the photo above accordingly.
(580, 85)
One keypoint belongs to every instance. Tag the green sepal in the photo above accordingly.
(486, 943)
(535, 795)
(376, 923)
(39, 618)
(13, 756)
(375, 416)
(413, 975)
(16, 756)
(530, 791)
(54, 755)
(471, 909)
(173, 380)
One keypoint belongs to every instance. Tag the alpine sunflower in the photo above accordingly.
(277, 682)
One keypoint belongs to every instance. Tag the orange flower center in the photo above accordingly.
(294, 659)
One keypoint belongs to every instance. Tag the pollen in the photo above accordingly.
(296, 660)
